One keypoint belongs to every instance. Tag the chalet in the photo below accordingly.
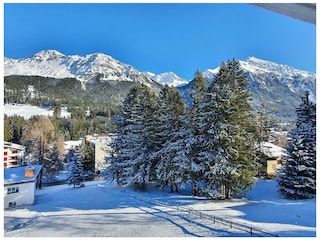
(20, 185)
(274, 159)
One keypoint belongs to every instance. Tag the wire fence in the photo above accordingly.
(215, 220)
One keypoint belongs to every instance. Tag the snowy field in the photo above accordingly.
(27, 111)
(102, 209)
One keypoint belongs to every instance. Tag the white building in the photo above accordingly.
(20, 185)
(13, 154)
(72, 145)
(101, 149)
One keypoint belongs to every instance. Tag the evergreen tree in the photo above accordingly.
(131, 162)
(234, 132)
(53, 162)
(193, 138)
(297, 179)
(198, 88)
(75, 173)
(264, 124)
(169, 167)
(88, 157)
(210, 155)
(6, 129)
(17, 127)
(152, 139)
(57, 110)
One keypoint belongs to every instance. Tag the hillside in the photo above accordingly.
(279, 87)
(92, 67)
(45, 91)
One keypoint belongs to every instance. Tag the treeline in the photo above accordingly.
(44, 144)
(91, 105)
(209, 144)
(74, 128)
(38, 90)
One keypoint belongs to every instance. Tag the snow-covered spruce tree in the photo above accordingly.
(144, 165)
(118, 162)
(75, 169)
(207, 158)
(88, 157)
(233, 134)
(130, 162)
(297, 180)
(170, 168)
(193, 131)
(206, 150)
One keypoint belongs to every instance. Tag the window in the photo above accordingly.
(12, 204)
(13, 190)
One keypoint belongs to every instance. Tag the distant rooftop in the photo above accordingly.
(13, 145)
(272, 150)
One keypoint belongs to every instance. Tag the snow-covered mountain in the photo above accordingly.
(51, 63)
(296, 81)
(279, 87)
(169, 78)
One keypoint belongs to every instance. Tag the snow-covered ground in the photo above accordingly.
(27, 111)
(102, 209)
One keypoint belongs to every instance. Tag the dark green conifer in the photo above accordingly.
(297, 179)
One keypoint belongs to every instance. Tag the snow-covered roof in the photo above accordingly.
(13, 146)
(16, 175)
(271, 150)
(71, 144)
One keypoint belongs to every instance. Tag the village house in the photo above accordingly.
(20, 184)
(274, 159)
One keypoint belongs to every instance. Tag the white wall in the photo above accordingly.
(25, 196)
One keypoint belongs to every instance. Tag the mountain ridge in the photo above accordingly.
(278, 86)
(52, 63)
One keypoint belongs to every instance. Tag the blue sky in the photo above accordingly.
(160, 37)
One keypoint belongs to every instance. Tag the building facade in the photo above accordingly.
(13, 154)
(20, 185)
(101, 149)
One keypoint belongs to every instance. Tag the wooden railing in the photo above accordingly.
(215, 220)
